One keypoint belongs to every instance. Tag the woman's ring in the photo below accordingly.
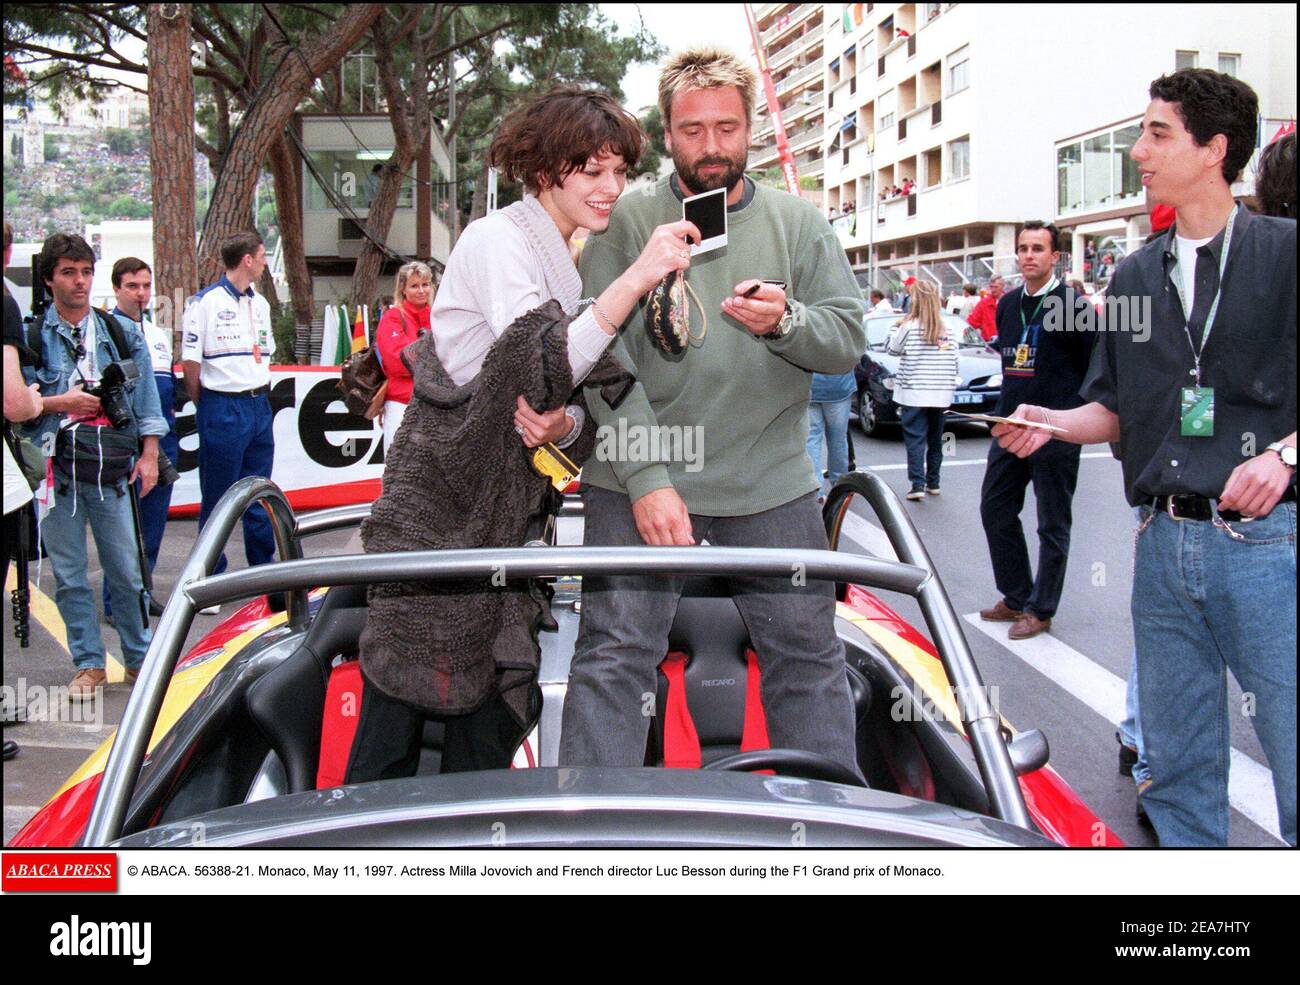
(683, 253)
(519, 429)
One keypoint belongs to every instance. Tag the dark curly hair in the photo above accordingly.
(1275, 179)
(556, 134)
(1211, 103)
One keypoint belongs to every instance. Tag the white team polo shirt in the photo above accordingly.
(221, 327)
(158, 340)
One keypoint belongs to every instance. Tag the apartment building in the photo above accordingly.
(991, 114)
(791, 35)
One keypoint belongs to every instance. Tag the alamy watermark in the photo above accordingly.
(1122, 313)
(651, 443)
(40, 703)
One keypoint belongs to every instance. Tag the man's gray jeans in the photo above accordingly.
(623, 637)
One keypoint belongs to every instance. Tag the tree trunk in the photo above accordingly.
(231, 210)
(288, 208)
(171, 139)
(378, 223)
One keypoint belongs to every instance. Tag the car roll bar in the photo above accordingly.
(979, 718)
(294, 574)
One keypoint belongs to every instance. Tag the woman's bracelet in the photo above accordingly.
(601, 311)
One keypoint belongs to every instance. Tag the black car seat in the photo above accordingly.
(288, 703)
(709, 637)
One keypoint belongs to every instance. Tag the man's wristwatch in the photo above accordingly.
(1285, 452)
(783, 326)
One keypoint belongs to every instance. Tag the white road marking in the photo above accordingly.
(1250, 784)
(866, 535)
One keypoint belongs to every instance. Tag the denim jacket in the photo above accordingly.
(58, 362)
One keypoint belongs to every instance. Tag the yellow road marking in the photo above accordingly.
(45, 612)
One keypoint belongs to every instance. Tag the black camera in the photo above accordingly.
(167, 473)
(114, 392)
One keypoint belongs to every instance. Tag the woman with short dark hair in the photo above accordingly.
(571, 149)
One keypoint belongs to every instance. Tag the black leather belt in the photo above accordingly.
(257, 391)
(1200, 508)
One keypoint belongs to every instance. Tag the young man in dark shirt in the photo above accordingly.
(1202, 401)
(1044, 359)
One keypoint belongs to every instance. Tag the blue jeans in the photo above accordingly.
(1130, 730)
(829, 421)
(236, 440)
(923, 436)
(1204, 602)
(63, 531)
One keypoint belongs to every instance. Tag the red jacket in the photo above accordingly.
(391, 338)
(984, 317)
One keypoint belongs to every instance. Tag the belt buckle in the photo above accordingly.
(1169, 508)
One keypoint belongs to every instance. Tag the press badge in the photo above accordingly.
(1022, 355)
(1197, 412)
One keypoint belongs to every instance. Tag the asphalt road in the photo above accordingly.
(1068, 684)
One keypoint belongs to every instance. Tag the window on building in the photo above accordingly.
(1098, 172)
(1185, 59)
(959, 70)
(959, 158)
(1069, 178)
(1096, 169)
(352, 175)
(1127, 180)
(1230, 64)
(885, 107)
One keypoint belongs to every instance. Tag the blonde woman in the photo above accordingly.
(401, 325)
(923, 386)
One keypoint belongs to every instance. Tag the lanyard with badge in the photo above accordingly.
(1022, 350)
(1196, 406)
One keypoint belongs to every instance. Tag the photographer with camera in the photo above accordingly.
(101, 426)
(133, 288)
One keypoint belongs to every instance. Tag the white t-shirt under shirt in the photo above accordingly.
(1187, 268)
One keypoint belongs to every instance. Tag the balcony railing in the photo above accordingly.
(792, 80)
(777, 59)
(794, 18)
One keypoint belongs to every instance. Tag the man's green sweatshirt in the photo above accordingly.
(726, 422)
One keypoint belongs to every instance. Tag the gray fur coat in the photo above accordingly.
(458, 476)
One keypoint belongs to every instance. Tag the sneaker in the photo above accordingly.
(211, 610)
(932, 490)
(86, 685)
(916, 494)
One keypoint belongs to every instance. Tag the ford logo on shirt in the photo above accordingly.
(227, 315)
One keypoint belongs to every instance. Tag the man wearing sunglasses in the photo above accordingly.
(76, 343)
